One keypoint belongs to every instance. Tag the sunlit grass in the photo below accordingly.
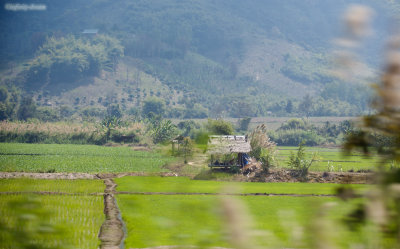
(65, 186)
(199, 220)
(78, 158)
(186, 185)
(332, 159)
(76, 218)
(174, 220)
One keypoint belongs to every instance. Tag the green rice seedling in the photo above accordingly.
(157, 220)
(330, 167)
(78, 158)
(77, 218)
(354, 161)
(186, 185)
(65, 186)
(178, 220)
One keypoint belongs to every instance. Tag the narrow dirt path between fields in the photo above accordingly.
(111, 232)
(276, 175)
(49, 193)
(76, 176)
(230, 194)
(56, 176)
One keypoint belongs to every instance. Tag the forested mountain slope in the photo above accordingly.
(226, 57)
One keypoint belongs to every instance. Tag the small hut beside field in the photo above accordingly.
(228, 151)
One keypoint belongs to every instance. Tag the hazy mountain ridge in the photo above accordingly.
(258, 52)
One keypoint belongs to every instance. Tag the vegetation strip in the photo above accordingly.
(67, 176)
(180, 247)
(111, 232)
(81, 154)
(76, 176)
(232, 194)
(50, 193)
(162, 193)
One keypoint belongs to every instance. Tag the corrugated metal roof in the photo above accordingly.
(228, 144)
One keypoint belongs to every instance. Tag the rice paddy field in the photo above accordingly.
(160, 211)
(333, 159)
(16, 157)
(50, 221)
(62, 186)
(78, 158)
(138, 184)
(196, 219)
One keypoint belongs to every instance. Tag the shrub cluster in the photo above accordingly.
(296, 131)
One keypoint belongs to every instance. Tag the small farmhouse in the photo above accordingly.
(228, 151)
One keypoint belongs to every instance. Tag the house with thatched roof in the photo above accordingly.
(228, 151)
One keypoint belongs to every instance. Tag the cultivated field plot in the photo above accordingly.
(178, 211)
(139, 184)
(51, 220)
(77, 158)
(56, 186)
(332, 159)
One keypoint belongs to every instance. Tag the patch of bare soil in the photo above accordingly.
(111, 231)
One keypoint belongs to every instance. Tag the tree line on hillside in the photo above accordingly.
(68, 59)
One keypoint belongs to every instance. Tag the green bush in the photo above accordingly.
(163, 131)
(295, 137)
(188, 128)
(295, 124)
(219, 127)
(153, 106)
(299, 162)
(243, 124)
(119, 137)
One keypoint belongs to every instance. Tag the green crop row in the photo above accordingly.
(33, 221)
(273, 222)
(78, 158)
(71, 150)
(333, 159)
(186, 185)
(65, 186)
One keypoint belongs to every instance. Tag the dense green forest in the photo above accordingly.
(195, 59)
